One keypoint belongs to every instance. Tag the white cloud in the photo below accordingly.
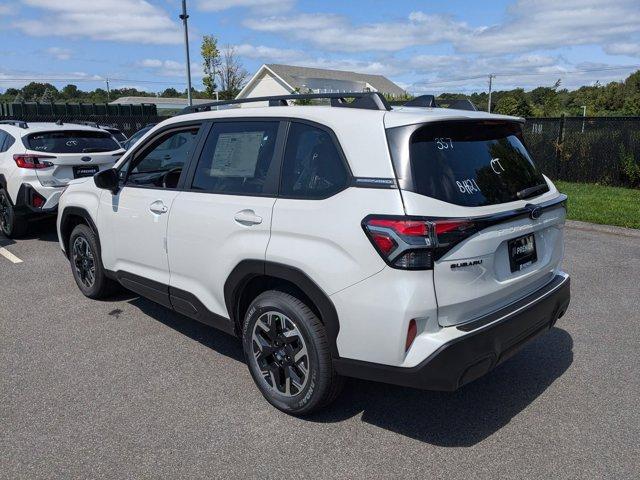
(258, 5)
(529, 25)
(6, 9)
(304, 59)
(551, 24)
(169, 68)
(113, 20)
(59, 53)
(337, 33)
(270, 54)
(624, 48)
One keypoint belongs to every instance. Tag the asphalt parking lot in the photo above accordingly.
(127, 389)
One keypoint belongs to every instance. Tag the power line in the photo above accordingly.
(87, 80)
(515, 74)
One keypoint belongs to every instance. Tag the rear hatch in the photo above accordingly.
(72, 153)
(498, 221)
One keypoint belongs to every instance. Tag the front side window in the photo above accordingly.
(69, 141)
(313, 167)
(236, 158)
(161, 165)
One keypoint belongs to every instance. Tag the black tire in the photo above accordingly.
(12, 224)
(322, 384)
(84, 253)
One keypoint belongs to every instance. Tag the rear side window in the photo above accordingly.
(473, 163)
(236, 158)
(68, 141)
(313, 166)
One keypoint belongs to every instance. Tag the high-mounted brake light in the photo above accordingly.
(32, 161)
(413, 243)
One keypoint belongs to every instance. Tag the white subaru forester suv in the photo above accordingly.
(38, 160)
(414, 246)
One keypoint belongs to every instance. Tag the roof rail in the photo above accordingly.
(364, 100)
(15, 123)
(422, 101)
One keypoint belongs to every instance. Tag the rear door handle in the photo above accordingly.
(158, 207)
(247, 218)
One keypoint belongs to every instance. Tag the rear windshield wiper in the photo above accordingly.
(531, 191)
(95, 150)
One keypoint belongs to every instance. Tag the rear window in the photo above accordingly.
(68, 141)
(473, 163)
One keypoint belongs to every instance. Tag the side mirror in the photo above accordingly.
(108, 180)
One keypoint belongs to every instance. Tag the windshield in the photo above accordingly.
(68, 141)
(472, 163)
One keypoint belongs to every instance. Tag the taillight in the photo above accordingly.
(32, 161)
(414, 243)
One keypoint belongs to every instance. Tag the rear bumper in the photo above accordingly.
(482, 345)
(24, 199)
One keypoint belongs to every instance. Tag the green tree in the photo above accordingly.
(211, 63)
(47, 97)
(70, 92)
(170, 93)
(632, 105)
(33, 91)
(507, 105)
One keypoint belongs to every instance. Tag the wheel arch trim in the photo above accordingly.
(76, 212)
(247, 270)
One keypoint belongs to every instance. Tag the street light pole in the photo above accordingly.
(184, 18)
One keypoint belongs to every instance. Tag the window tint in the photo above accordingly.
(473, 163)
(236, 158)
(161, 166)
(3, 136)
(9, 141)
(67, 141)
(312, 165)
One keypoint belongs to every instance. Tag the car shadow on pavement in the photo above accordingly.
(217, 340)
(41, 229)
(467, 416)
(449, 419)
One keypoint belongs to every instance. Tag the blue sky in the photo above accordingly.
(424, 46)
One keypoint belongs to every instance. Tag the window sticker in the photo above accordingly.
(236, 154)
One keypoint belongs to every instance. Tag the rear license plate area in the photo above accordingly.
(80, 171)
(522, 252)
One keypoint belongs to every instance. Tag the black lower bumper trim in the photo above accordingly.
(24, 203)
(474, 354)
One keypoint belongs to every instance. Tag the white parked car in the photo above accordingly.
(38, 160)
(415, 246)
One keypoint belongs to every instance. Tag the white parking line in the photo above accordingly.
(9, 256)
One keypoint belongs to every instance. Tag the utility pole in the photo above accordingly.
(584, 115)
(108, 89)
(184, 18)
(491, 77)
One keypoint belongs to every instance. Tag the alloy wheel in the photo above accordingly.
(84, 262)
(280, 353)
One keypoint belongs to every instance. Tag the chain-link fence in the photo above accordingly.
(595, 150)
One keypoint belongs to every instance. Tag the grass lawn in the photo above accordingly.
(599, 204)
